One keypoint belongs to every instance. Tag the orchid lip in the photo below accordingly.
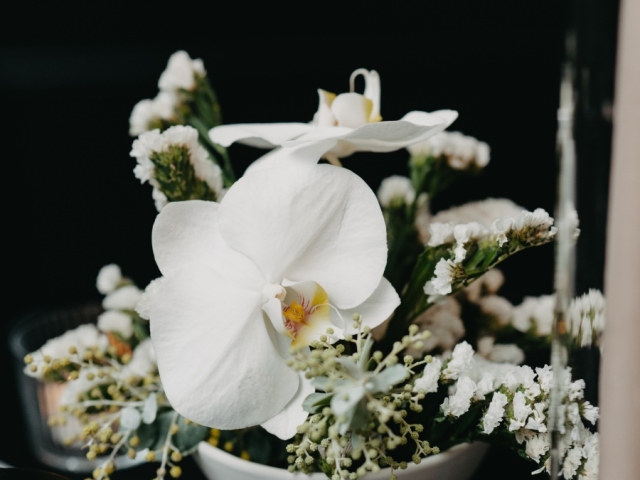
(305, 313)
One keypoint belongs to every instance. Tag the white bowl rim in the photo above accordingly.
(206, 450)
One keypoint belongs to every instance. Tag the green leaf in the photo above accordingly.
(315, 402)
(150, 408)
(141, 332)
(259, 446)
(361, 417)
(154, 435)
(189, 435)
(148, 435)
(162, 425)
(326, 468)
(466, 422)
(413, 300)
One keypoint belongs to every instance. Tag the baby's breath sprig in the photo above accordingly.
(359, 417)
(516, 413)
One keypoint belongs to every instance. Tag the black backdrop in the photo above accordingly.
(69, 78)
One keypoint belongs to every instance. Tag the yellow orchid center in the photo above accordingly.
(306, 313)
(294, 312)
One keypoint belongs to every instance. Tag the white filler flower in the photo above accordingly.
(184, 136)
(116, 321)
(109, 277)
(82, 338)
(247, 278)
(344, 124)
(181, 72)
(396, 189)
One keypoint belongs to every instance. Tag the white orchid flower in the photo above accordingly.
(286, 254)
(343, 124)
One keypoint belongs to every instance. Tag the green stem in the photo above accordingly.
(218, 151)
(227, 168)
(413, 300)
(404, 244)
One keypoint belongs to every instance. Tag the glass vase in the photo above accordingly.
(40, 400)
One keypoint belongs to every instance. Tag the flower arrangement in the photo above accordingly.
(303, 320)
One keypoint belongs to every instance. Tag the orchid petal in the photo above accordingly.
(319, 134)
(323, 116)
(389, 136)
(187, 232)
(431, 118)
(285, 424)
(183, 232)
(279, 334)
(374, 310)
(376, 137)
(220, 326)
(333, 233)
(371, 90)
(260, 135)
(306, 153)
(273, 310)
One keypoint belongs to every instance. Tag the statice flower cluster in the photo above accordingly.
(459, 151)
(177, 167)
(181, 76)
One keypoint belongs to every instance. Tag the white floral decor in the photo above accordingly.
(307, 320)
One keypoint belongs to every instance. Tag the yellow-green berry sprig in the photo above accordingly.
(99, 410)
(60, 369)
(109, 441)
(330, 438)
(170, 454)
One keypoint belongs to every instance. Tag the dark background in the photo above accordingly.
(69, 78)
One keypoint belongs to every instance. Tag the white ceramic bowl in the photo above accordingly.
(459, 463)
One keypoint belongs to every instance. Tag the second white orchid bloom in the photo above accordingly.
(344, 124)
(351, 110)
(287, 253)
